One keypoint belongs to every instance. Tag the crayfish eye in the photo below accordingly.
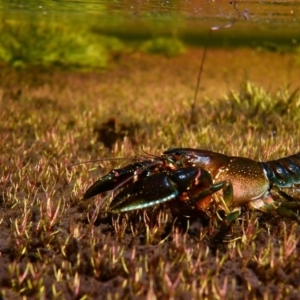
(177, 155)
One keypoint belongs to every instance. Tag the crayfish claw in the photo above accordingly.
(102, 185)
(118, 178)
(146, 192)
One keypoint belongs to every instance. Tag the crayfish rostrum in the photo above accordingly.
(193, 179)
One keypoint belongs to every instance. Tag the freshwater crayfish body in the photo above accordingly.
(190, 178)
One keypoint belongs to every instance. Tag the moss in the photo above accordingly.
(38, 43)
(163, 45)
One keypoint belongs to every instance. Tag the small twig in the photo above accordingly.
(213, 28)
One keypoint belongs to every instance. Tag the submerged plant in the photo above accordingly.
(55, 44)
(163, 45)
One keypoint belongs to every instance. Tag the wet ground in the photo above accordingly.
(50, 248)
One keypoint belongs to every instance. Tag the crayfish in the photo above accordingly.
(192, 179)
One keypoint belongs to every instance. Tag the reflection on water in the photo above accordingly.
(75, 27)
(286, 12)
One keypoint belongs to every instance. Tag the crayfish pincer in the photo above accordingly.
(196, 178)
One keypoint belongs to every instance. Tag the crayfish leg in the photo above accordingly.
(225, 228)
(284, 209)
(203, 194)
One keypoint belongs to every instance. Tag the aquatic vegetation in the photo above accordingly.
(163, 45)
(37, 43)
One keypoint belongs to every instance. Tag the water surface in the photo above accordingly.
(268, 21)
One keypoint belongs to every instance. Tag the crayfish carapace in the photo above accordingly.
(193, 178)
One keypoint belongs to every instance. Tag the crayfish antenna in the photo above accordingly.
(99, 160)
(148, 155)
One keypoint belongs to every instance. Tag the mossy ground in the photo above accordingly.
(53, 118)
